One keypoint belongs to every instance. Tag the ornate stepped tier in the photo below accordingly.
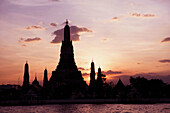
(66, 75)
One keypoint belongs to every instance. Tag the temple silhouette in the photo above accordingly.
(66, 82)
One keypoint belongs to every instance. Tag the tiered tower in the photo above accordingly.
(67, 62)
(66, 77)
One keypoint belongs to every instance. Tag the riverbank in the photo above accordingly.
(82, 101)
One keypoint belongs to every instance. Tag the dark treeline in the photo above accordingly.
(139, 87)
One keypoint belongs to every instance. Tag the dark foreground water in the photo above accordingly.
(88, 108)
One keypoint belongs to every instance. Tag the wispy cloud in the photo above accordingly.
(34, 27)
(74, 34)
(23, 45)
(21, 40)
(85, 74)
(166, 39)
(142, 15)
(137, 15)
(105, 40)
(81, 68)
(109, 72)
(33, 2)
(115, 19)
(32, 39)
(53, 24)
(164, 61)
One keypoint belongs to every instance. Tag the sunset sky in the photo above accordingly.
(123, 37)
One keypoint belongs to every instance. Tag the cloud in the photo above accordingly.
(138, 15)
(53, 24)
(109, 72)
(21, 40)
(142, 15)
(115, 19)
(34, 27)
(166, 39)
(33, 2)
(32, 39)
(24, 45)
(164, 61)
(81, 68)
(148, 15)
(105, 40)
(85, 74)
(74, 34)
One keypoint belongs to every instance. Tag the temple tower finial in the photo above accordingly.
(66, 21)
(66, 33)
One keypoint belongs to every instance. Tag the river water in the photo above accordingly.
(88, 108)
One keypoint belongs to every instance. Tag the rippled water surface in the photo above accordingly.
(88, 108)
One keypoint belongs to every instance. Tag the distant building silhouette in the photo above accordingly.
(66, 79)
(35, 82)
(99, 75)
(45, 80)
(120, 84)
(92, 75)
(100, 79)
(26, 77)
(45, 85)
(119, 89)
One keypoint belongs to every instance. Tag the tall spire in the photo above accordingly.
(66, 32)
(45, 81)
(26, 76)
(99, 75)
(92, 74)
(99, 71)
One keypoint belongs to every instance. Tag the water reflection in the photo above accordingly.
(88, 108)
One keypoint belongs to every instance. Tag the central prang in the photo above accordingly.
(66, 79)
